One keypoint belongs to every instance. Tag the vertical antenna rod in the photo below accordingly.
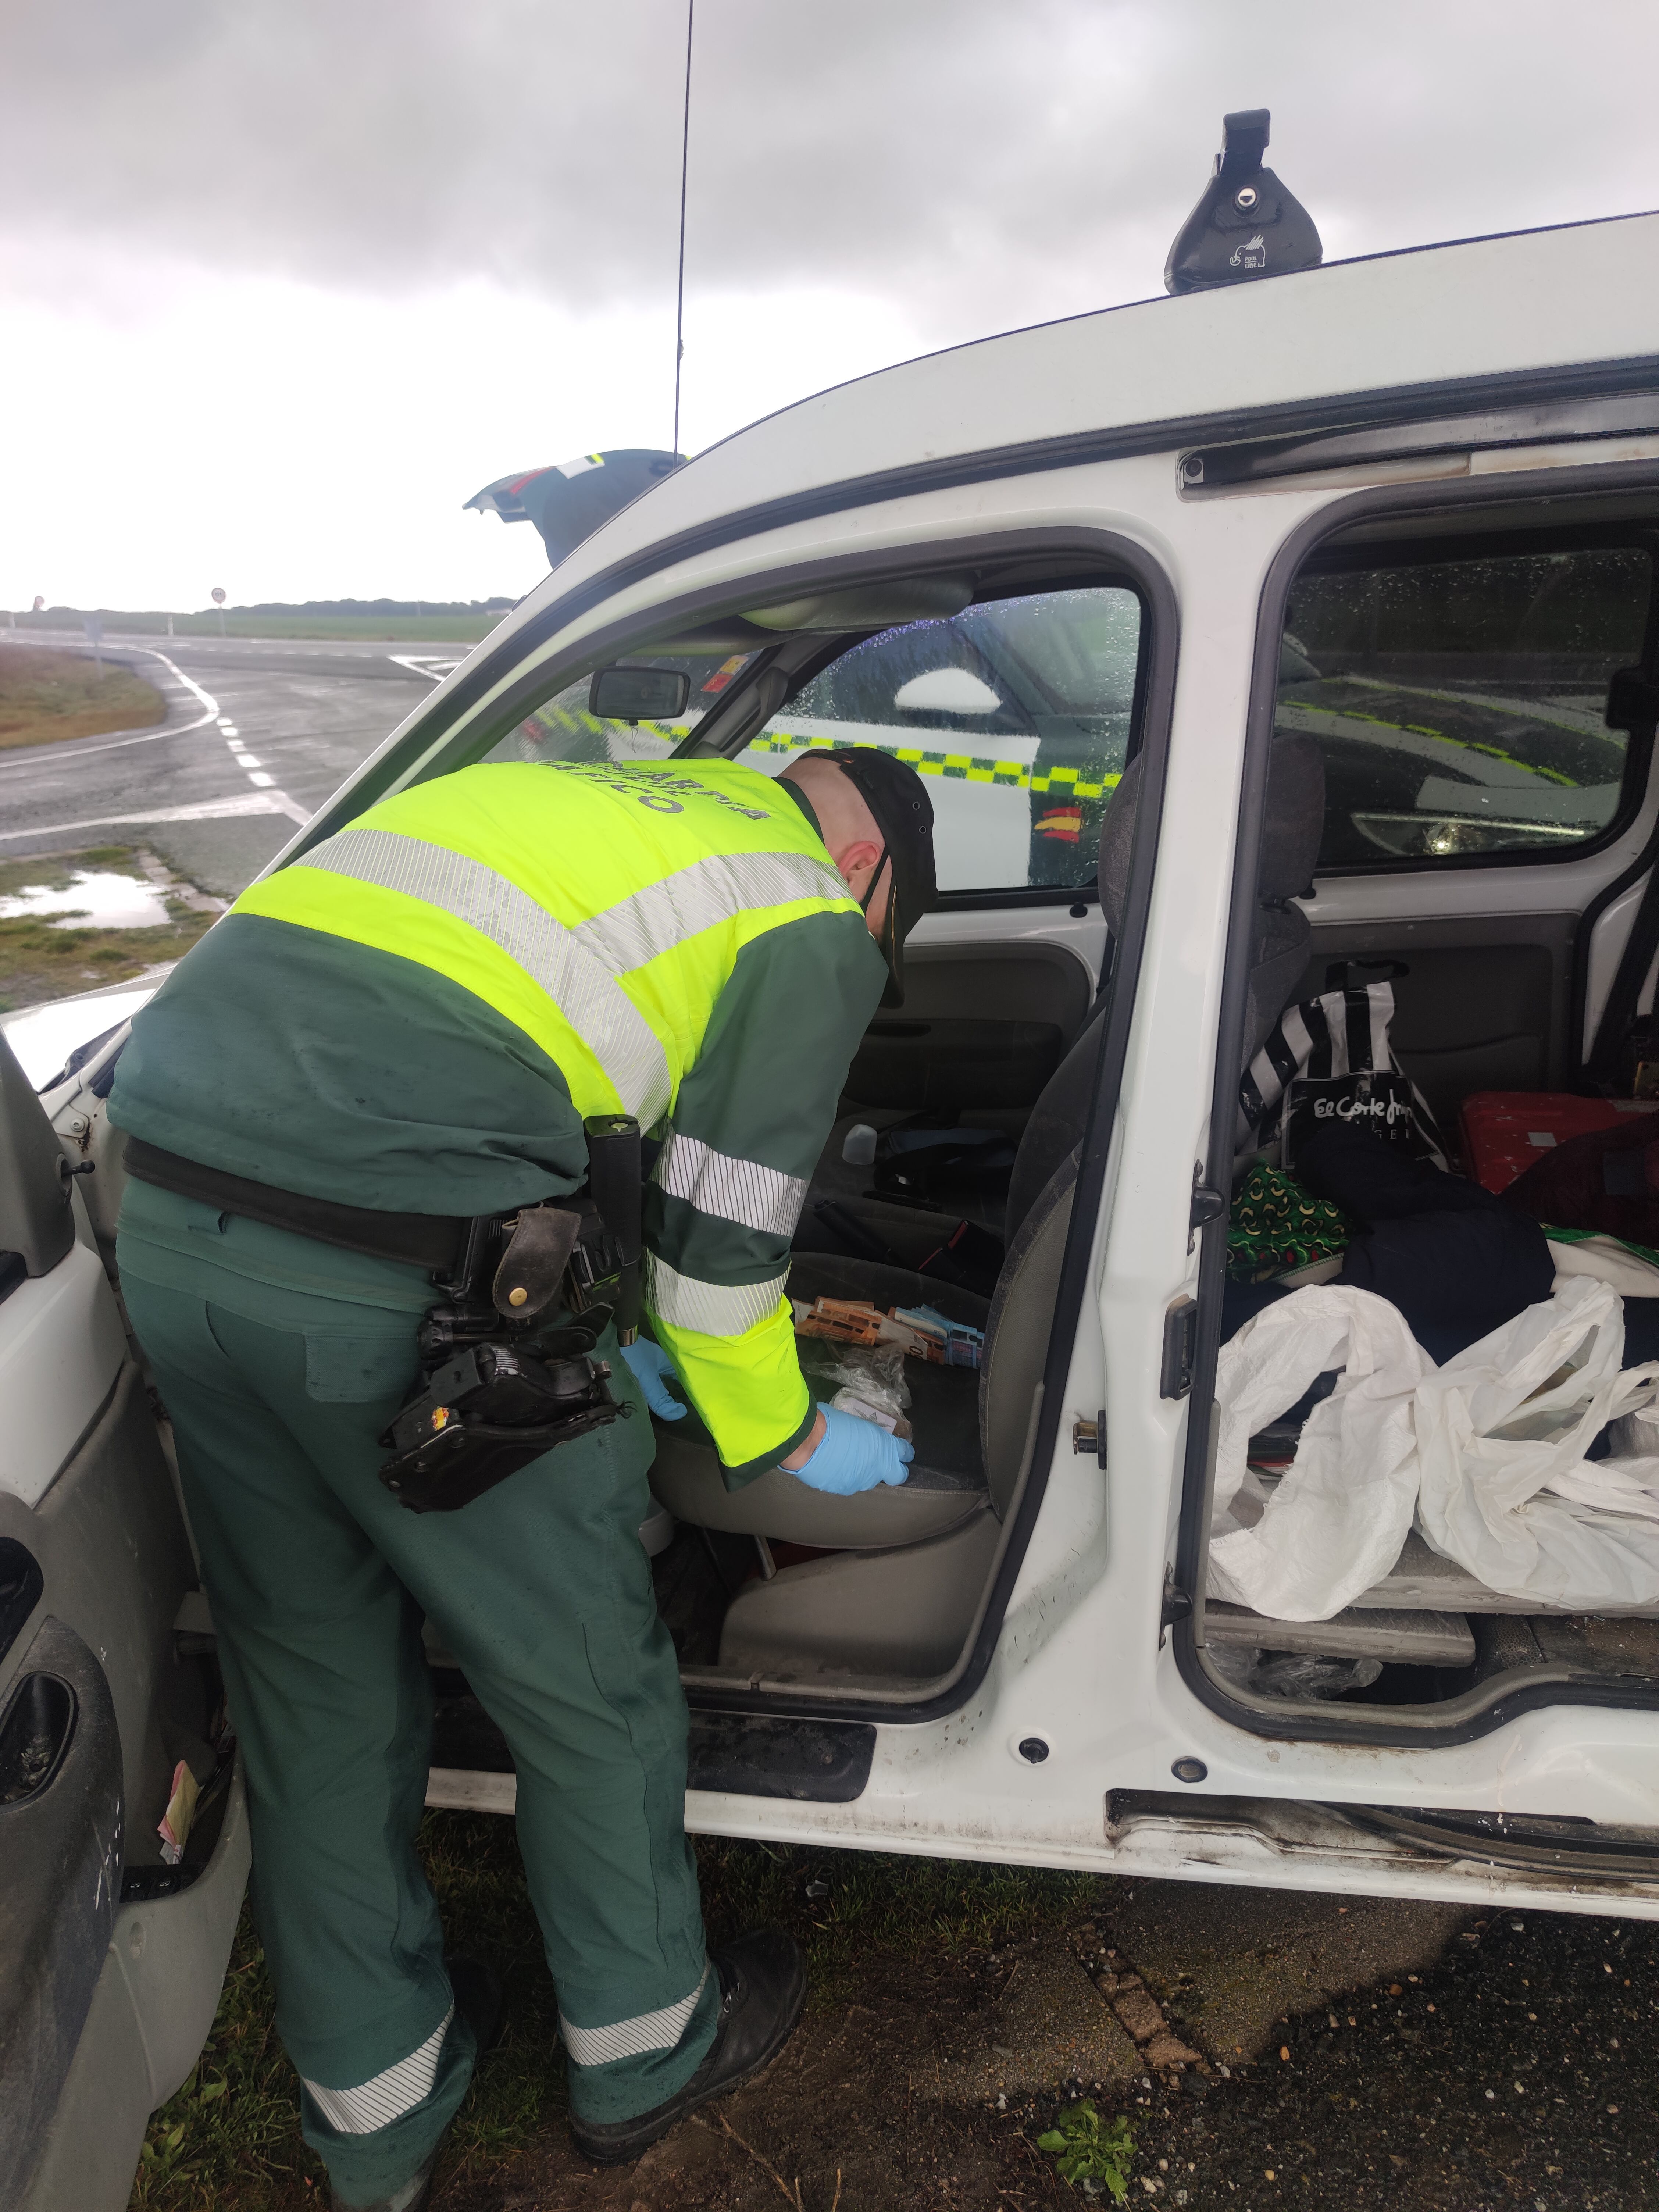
(685, 157)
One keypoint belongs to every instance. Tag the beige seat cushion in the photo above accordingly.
(946, 1482)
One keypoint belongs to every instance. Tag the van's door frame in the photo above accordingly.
(1334, 1723)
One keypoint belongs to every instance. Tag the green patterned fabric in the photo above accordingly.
(1274, 1225)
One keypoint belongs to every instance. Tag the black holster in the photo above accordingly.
(507, 1357)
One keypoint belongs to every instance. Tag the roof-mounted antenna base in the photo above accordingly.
(1246, 224)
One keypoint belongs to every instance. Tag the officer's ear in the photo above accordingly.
(856, 862)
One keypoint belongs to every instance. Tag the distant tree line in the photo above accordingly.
(369, 607)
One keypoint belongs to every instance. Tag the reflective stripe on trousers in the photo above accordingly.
(631, 2039)
(377, 2103)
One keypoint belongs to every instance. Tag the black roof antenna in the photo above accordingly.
(1246, 224)
(685, 162)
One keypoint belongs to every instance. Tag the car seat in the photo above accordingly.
(968, 1443)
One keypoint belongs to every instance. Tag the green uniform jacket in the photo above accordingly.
(419, 1014)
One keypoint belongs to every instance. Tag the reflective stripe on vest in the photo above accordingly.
(744, 1191)
(580, 985)
(490, 852)
(664, 915)
(712, 1308)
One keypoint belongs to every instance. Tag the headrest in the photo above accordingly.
(1293, 820)
(1291, 834)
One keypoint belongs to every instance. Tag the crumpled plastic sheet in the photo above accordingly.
(1486, 1454)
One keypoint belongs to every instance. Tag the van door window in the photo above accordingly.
(1460, 703)
(1018, 712)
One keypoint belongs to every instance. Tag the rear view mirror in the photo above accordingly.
(621, 694)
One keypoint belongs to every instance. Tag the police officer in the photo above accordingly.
(401, 1030)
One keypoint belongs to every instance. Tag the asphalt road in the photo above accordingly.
(259, 732)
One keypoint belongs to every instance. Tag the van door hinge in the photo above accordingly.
(1177, 1605)
(1089, 1436)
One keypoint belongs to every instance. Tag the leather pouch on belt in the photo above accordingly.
(534, 1264)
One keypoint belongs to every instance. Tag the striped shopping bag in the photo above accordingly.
(1329, 1058)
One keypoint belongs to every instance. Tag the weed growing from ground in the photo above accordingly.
(1085, 2148)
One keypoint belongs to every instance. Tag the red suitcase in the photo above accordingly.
(1505, 1131)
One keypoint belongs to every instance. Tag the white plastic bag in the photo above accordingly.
(1336, 1522)
(1505, 1489)
(1487, 1452)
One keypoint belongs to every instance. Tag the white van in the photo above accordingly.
(1406, 507)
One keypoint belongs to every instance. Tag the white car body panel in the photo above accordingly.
(60, 1351)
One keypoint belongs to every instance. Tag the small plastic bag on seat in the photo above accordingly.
(872, 1385)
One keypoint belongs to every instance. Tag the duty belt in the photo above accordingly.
(507, 1356)
(435, 1242)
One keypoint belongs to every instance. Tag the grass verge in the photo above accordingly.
(229, 2141)
(46, 696)
(39, 962)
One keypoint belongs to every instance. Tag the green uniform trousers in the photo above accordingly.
(281, 1361)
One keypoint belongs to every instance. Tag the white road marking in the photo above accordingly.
(189, 682)
(225, 722)
(433, 665)
(210, 809)
(246, 760)
(264, 781)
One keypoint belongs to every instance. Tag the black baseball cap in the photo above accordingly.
(898, 798)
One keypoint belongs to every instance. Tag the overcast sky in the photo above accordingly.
(285, 282)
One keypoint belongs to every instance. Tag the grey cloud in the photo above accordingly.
(982, 163)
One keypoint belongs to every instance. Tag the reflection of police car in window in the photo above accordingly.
(1290, 632)
(1461, 705)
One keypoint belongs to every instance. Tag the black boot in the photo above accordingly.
(762, 1988)
(477, 1997)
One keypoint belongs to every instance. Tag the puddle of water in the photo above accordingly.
(98, 900)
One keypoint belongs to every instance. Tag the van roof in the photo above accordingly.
(1176, 370)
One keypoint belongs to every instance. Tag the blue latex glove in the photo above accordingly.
(650, 1362)
(853, 1455)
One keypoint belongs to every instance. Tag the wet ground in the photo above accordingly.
(1267, 2050)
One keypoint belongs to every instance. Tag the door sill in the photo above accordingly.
(729, 1755)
